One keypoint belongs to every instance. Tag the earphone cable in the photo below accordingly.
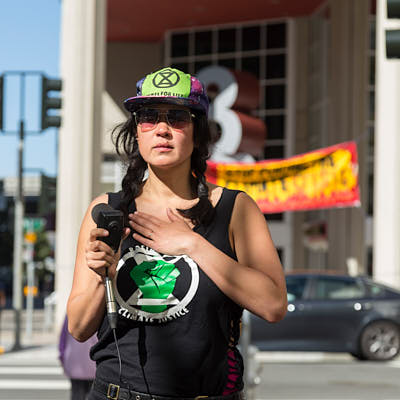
(119, 355)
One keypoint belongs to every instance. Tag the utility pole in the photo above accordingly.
(18, 224)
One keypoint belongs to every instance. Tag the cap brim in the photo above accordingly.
(133, 103)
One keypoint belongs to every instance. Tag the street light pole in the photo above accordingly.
(18, 224)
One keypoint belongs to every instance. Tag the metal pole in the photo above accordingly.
(244, 346)
(29, 295)
(18, 223)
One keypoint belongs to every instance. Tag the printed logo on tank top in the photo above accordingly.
(153, 287)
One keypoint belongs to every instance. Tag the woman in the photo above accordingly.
(193, 255)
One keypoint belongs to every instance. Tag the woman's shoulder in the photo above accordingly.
(102, 198)
(87, 222)
(245, 209)
(216, 191)
(106, 198)
(238, 197)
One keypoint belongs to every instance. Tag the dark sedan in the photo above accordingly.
(333, 313)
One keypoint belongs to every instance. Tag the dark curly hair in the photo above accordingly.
(124, 139)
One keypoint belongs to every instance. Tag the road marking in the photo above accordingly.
(395, 364)
(276, 357)
(31, 371)
(21, 384)
(284, 357)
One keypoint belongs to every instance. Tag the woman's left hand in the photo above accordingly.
(173, 238)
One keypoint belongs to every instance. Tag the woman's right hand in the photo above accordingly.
(99, 255)
(86, 303)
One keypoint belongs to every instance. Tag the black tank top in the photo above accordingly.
(177, 331)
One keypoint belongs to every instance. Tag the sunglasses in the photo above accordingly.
(148, 118)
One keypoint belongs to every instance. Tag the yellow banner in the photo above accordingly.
(320, 179)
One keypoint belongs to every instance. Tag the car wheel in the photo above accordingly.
(380, 341)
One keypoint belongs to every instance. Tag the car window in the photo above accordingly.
(380, 291)
(375, 290)
(338, 288)
(295, 286)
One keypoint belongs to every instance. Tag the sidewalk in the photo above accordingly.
(7, 340)
(39, 350)
(32, 356)
(40, 337)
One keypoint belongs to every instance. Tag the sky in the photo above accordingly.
(29, 41)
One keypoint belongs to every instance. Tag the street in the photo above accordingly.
(322, 376)
(35, 374)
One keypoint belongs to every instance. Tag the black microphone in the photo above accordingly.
(113, 221)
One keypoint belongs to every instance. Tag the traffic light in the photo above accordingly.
(48, 200)
(1, 100)
(393, 35)
(50, 103)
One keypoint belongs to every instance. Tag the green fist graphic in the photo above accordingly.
(156, 280)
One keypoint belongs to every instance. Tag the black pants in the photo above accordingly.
(80, 389)
(94, 395)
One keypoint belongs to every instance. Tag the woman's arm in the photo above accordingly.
(256, 281)
(86, 303)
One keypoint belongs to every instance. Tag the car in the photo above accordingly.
(334, 313)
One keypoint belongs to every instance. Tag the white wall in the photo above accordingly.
(386, 249)
(82, 72)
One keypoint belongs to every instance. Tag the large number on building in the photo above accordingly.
(236, 97)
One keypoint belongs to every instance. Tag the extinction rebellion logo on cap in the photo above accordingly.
(165, 79)
(152, 287)
(167, 82)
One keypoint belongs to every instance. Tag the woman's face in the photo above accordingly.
(165, 135)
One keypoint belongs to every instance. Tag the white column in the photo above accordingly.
(82, 70)
(386, 245)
